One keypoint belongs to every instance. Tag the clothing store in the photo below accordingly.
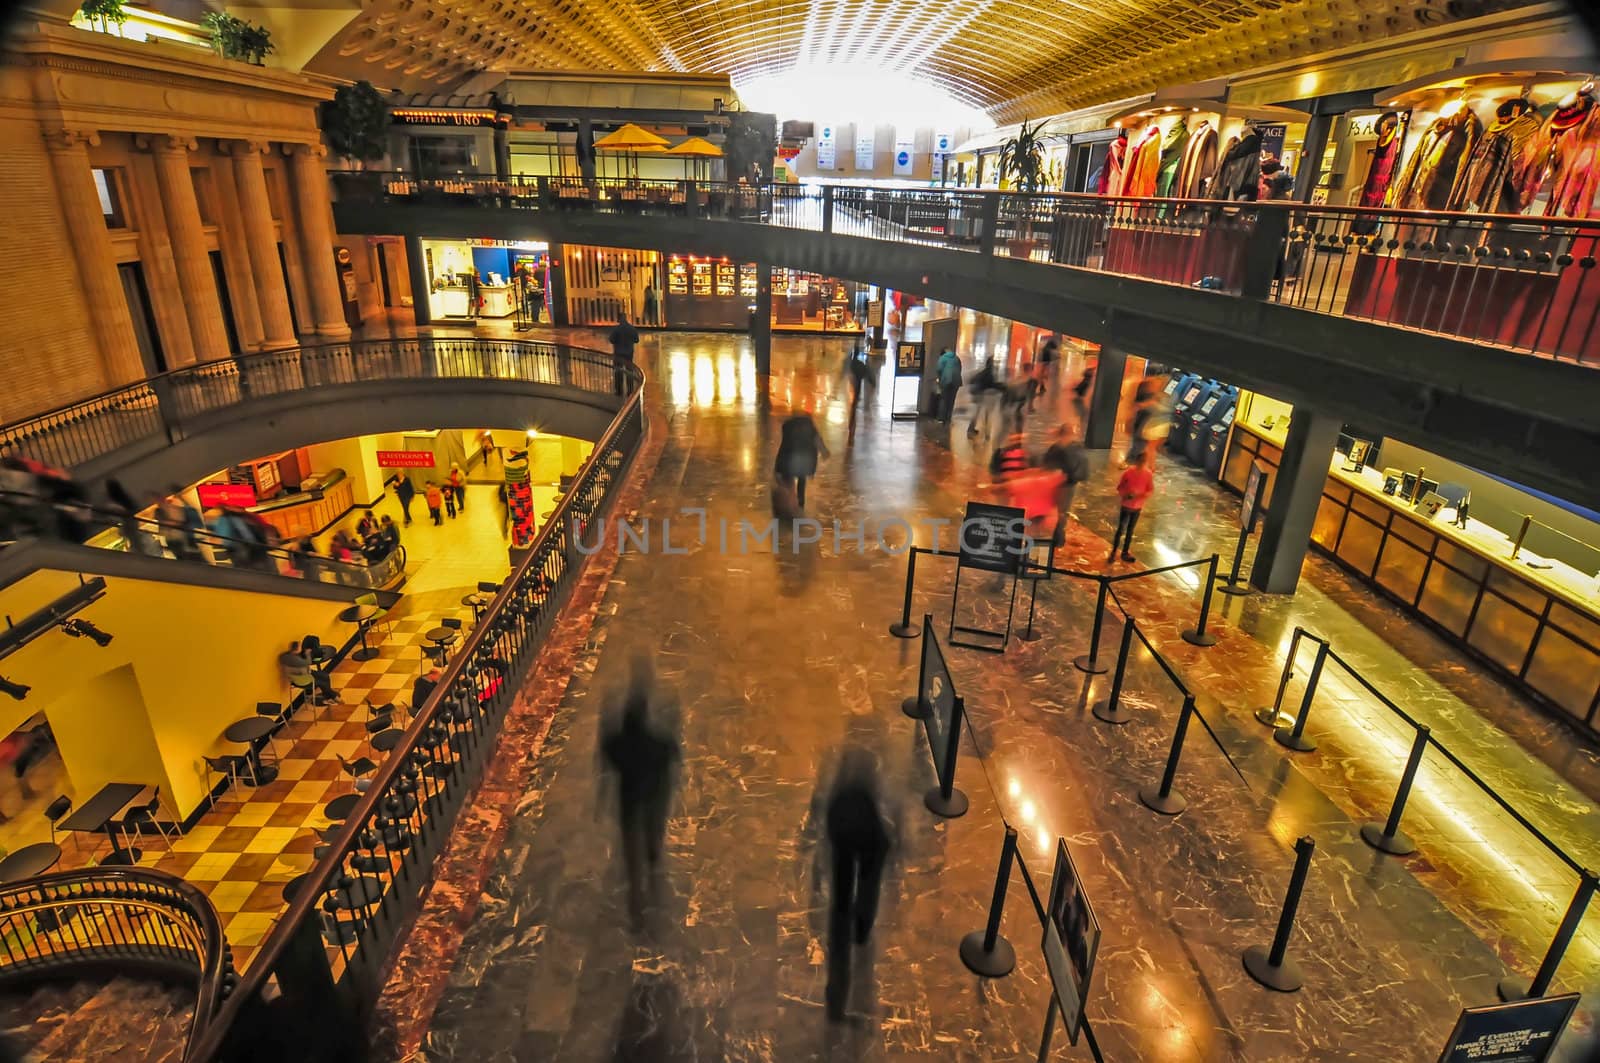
(1191, 148)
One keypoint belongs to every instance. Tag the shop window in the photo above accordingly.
(442, 156)
(108, 183)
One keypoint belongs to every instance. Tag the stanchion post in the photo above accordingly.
(1111, 710)
(905, 629)
(1164, 799)
(1389, 838)
(1295, 737)
(1271, 967)
(1233, 584)
(914, 706)
(1515, 988)
(1033, 596)
(1199, 637)
(984, 951)
(1271, 716)
(1090, 662)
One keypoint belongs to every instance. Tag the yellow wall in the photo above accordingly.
(195, 660)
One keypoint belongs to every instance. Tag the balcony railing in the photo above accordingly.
(1521, 283)
(319, 970)
(144, 922)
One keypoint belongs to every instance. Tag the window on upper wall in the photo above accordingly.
(108, 183)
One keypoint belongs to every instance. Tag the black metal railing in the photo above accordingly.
(135, 919)
(165, 408)
(1522, 283)
(323, 960)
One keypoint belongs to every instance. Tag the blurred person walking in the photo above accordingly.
(949, 382)
(624, 338)
(859, 841)
(643, 755)
(987, 391)
(435, 499)
(457, 487)
(405, 491)
(799, 449)
(1068, 456)
(1134, 488)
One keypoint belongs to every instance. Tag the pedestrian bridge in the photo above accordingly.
(1470, 334)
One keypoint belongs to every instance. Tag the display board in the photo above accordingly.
(1071, 940)
(1524, 1031)
(1250, 508)
(908, 359)
(865, 146)
(993, 538)
(826, 145)
(904, 154)
(938, 697)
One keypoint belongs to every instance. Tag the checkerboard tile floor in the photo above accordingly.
(255, 839)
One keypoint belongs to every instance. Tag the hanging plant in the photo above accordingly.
(103, 13)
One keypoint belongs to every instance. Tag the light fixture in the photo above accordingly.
(85, 629)
(16, 690)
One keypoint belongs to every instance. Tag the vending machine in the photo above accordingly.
(1206, 417)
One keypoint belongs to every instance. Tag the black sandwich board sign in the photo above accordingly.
(1071, 940)
(992, 539)
(1523, 1031)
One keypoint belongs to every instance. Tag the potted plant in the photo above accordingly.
(1022, 161)
(234, 38)
(104, 13)
(356, 125)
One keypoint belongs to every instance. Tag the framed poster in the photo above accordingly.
(826, 145)
(908, 359)
(1071, 940)
(865, 146)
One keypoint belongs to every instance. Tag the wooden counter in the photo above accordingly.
(1539, 628)
(308, 512)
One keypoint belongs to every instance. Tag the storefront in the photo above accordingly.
(509, 275)
(1510, 574)
(434, 142)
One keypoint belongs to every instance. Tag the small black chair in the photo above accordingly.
(358, 770)
(145, 816)
(231, 766)
(55, 812)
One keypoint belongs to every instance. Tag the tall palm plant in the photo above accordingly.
(1022, 158)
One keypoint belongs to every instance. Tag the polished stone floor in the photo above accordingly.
(777, 658)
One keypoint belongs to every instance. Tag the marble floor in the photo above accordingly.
(776, 659)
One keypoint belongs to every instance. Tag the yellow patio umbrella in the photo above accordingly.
(632, 140)
(696, 148)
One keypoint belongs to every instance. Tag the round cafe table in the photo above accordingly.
(385, 741)
(341, 807)
(359, 615)
(475, 602)
(358, 894)
(29, 861)
(440, 637)
(247, 732)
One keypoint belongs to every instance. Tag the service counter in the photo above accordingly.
(499, 300)
(321, 501)
(1535, 620)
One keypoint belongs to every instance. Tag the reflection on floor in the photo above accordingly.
(780, 657)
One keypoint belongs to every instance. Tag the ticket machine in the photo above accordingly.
(1217, 444)
(1203, 417)
(1191, 396)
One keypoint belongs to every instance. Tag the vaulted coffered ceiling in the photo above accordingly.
(1013, 58)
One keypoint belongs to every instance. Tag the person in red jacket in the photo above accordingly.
(1135, 487)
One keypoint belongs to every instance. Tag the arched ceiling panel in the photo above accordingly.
(1012, 58)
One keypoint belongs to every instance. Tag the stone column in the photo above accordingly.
(310, 182)
(761, 324)
(159, 264)
(256, 212)
(417, 269)
(235, 254)
(1101, 428)
(97, 267)
(1296, 494)
(201, 304)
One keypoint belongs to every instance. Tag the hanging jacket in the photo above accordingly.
(1561, 161)
(1199, 162)
(1111, 171)
(1239, 174)
(1144, 165)
(1172, 157)
(1431, 172)
(1487, 182)
(1380, 175)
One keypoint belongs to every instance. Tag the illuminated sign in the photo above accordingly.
(456, 118)
(405, 459)
(216, 494)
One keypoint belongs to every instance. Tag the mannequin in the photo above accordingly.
(1172, 156)
(1385, 157)
(1199, 162)
(1487, 182)
(1111, 171)
(1239, 175)
(1431, 172)
(1559, 164)
(1143, 165)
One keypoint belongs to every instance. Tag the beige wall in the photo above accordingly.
(71, 101)
(183, 664)
(883, 145)
(44, 317)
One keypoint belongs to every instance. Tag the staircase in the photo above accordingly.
(115, 1019)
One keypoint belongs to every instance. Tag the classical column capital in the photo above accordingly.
(70, 139)
(165, 143)
(313, 151)
(242, 148)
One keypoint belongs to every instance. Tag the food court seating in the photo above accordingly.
(144, 816)
(232, 767)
